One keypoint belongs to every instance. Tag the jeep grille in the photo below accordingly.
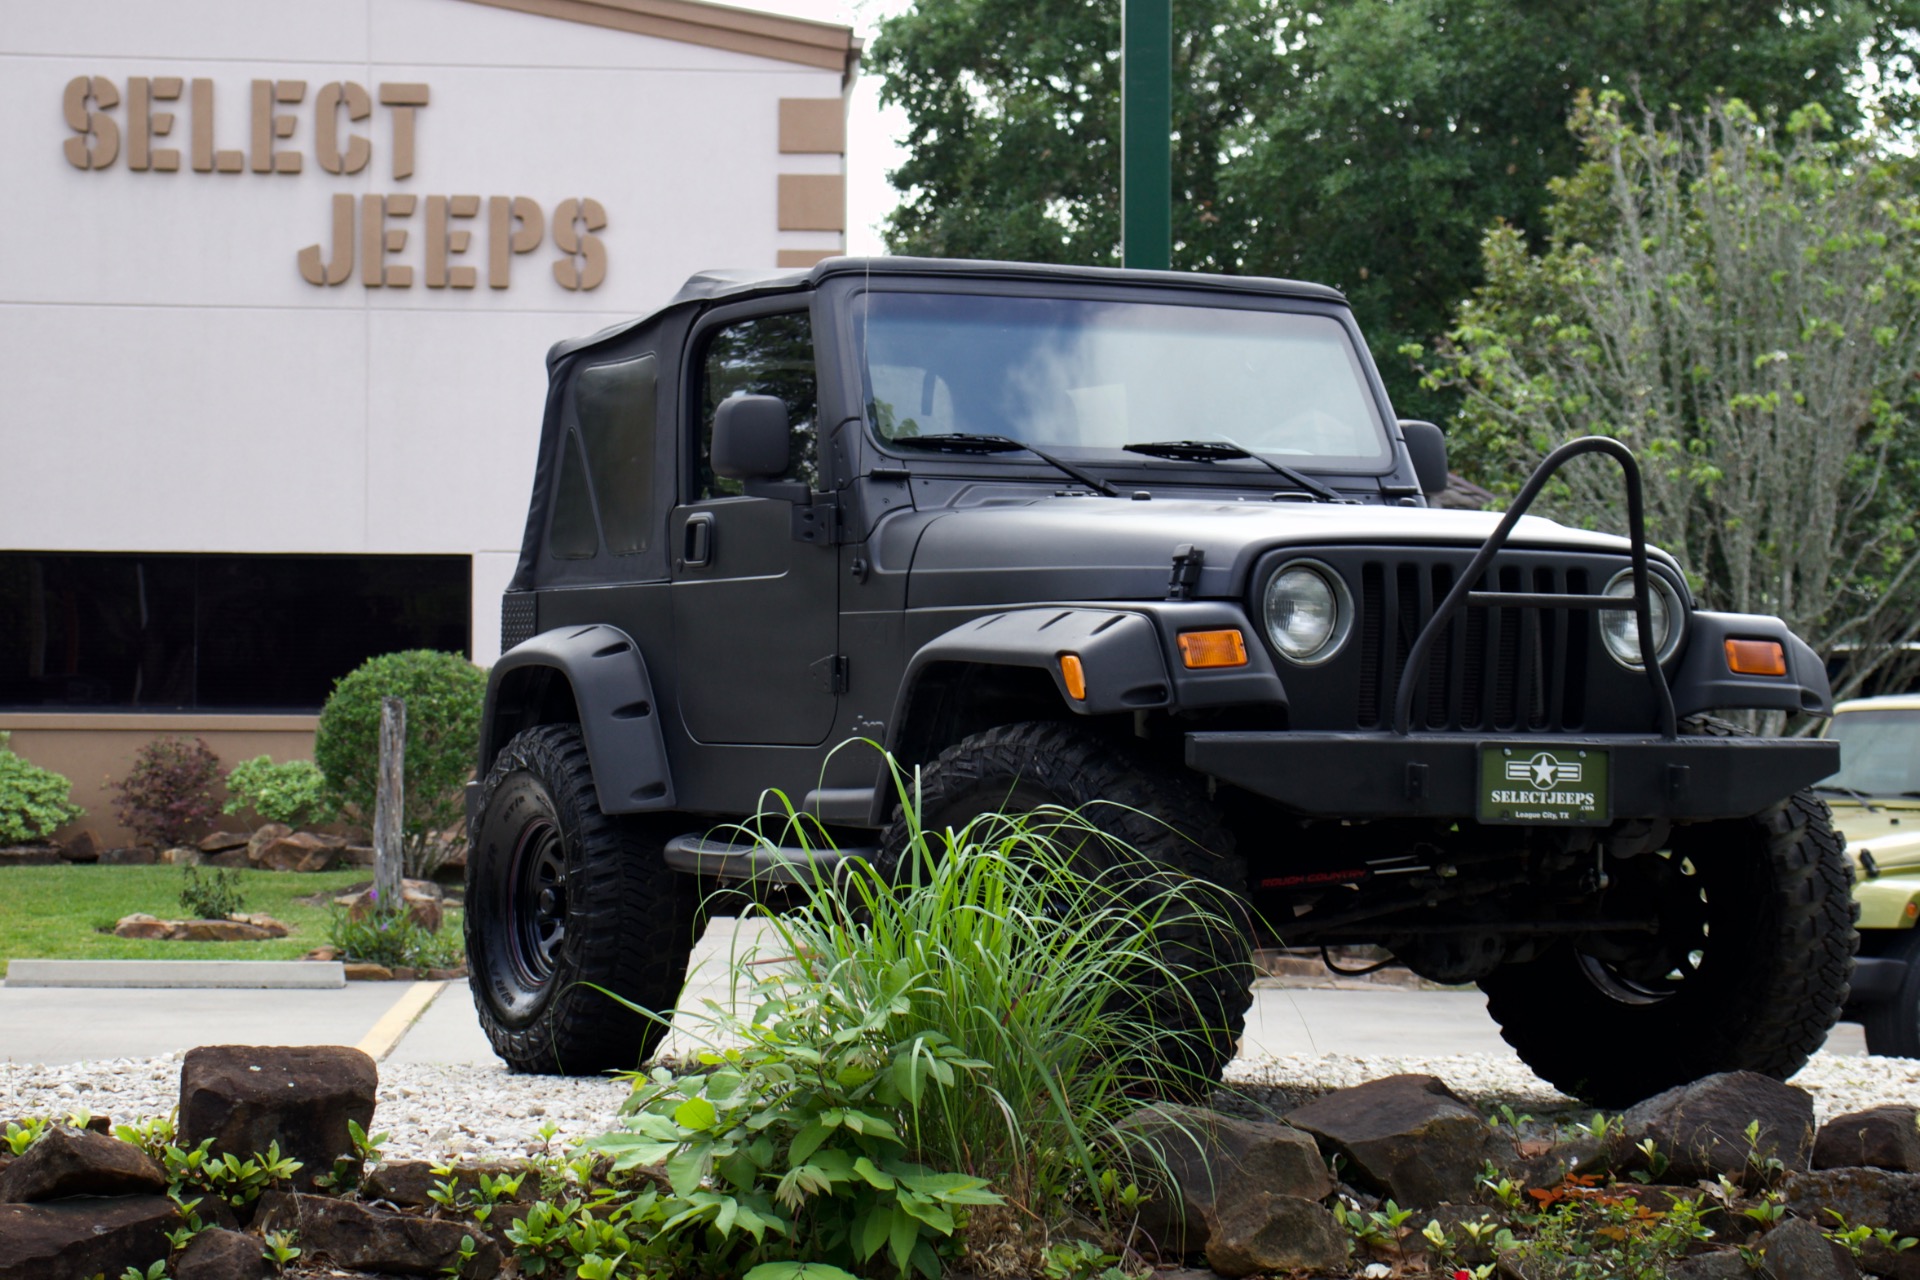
(1503, 670)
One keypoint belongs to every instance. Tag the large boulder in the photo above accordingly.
(221, 841)
(423, 900)
(82, 846)
(1202, 1159)
(355, 1236)
(1879, 1138)
(245, 1098)
(30, 855)
(77, 1162)
(1408, 1137)
(1863, 1197)
(1796, 1250)
(1262, 1232)
(266, 835)
(218, 1254)
(82, 1238)
(1701, 1128)
(296, 851)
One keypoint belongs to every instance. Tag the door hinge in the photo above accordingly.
(833, 672)
(817, 522)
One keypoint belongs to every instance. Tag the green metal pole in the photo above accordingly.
(1146, 126)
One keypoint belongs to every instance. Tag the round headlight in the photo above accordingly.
(1308, 612)
(1620, 629)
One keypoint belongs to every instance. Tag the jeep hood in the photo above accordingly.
(1086, 548)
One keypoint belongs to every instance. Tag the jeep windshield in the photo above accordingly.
(1880, 751)
(1088, 377)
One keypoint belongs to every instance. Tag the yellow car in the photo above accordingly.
(1876, 805)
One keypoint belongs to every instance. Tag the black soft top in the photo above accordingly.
(726, 283)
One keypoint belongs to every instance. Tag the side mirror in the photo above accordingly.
(1428, 449)
(752, 438)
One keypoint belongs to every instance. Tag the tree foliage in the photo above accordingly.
(1740, 303)
(1365, 144)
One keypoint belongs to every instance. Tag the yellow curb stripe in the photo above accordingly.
(393, 1024)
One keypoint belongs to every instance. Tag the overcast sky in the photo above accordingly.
(871, 149)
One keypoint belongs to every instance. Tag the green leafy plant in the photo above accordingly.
(34, 802)
(278, 1248)
(214, 898)
(475, 1198)
(1382, 1228)
(393, 938)
(350, 1168)
(1855, 1239)
(1657, 1162)
(226, 1177)
(293, 792)
(1589, 1232)
(1079, 1260)
(22, 1134)
(167, 797)
(156, 1270)
(443, 693)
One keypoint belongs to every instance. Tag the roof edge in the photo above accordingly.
(715, 26)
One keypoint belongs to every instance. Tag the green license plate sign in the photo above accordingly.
(1543, 786)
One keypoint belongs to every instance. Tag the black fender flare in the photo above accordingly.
(619, 719)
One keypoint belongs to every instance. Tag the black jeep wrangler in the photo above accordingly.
(1057, 536)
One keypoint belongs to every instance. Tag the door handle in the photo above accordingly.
(696, 550)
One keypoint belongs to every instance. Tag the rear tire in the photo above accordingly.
(1893, 1025)
(563, 899)
(1017, 768)
(1749, 972)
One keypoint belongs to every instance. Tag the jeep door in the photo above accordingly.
(755, 609)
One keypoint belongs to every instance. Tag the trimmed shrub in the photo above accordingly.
(215, 898)
(293, 792)
(167, 798)
(34, 802)
(444, 694)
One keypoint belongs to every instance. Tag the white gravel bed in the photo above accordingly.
(486, 1112)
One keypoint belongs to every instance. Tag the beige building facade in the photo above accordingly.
(278, 284)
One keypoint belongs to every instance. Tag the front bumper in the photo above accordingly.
(1434, 775)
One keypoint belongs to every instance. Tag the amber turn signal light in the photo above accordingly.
(1075, 676)
(1213, 649)
(1756, 658)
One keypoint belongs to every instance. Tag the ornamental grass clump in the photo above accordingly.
(932, 1068)
(34, 802)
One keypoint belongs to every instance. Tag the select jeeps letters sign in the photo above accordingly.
(370, 231)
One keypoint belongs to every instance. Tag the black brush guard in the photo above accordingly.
(1401, 773)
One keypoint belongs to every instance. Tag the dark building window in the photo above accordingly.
(109, 631)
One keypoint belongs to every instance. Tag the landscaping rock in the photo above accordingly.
(30, 855)
(83, 1238)
(357, 972)
(1725, 1264)
(231, 860)
(1407, 1136)
(142, 925)
(353, 1235)
(82, 846)
(245, 1098)
(265, 836)
(1211, 1158)
(448, 975)
(1795, 1250)
(1701, 1127)
(128, 857)
(1869, 1197)
(409, 1183)
(1261, 1232)
(232, 930)
(221, 841)
(296, 851)
(217, 1254)
(322, 953)
(78, 1162)
(182, 856)
(423, 899)
(357, 855)
(1881, 1138)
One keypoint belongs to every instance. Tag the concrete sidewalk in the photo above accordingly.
(436, 1023)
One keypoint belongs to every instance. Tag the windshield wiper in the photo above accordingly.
(1226, 450)
(1849, 792)
(969, 442)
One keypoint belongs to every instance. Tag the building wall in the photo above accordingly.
(175, 383)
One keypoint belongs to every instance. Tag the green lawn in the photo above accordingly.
(54, 913)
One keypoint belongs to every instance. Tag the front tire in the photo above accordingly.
(563, 899)
(1893, 1024)
(1017, 768)
(1749, 971)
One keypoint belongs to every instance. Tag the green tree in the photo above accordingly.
(1740, 303)
(1365, 144)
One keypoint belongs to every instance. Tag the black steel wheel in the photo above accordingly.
(1893, 1025)
(565, 904)
(1748, 970)
(1161, 816)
